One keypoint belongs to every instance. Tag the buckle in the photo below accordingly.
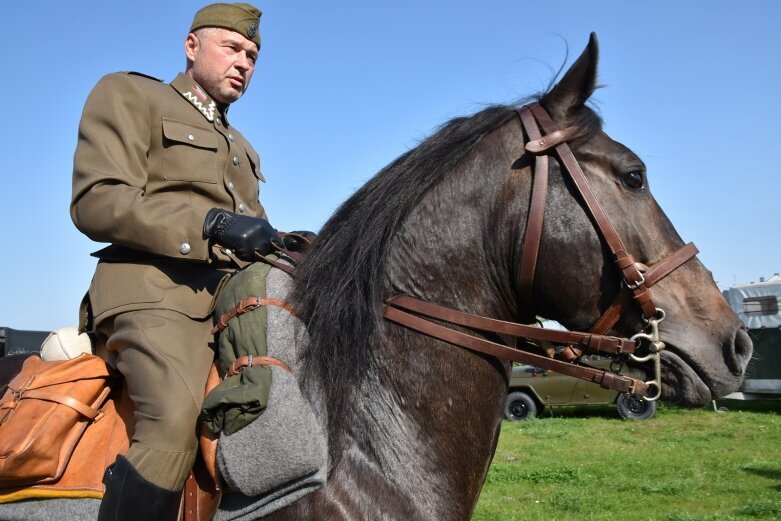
(636, 284)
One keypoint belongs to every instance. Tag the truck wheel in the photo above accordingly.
(633, 407)
(519, 406)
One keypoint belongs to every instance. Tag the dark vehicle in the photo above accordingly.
(18, 341)
(532, 389)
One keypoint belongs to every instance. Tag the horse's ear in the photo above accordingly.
(577, 85)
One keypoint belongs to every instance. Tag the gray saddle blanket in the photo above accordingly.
(283, 454)
(275, 460)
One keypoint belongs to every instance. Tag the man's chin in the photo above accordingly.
(228, 98)
(225, 95)
(231, 93)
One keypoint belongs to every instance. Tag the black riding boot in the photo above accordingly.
(130, 497)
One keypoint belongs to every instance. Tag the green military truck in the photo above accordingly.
(533, 389)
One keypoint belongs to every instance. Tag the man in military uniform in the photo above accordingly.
(161, 174)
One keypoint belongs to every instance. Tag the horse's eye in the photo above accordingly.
(634, 180)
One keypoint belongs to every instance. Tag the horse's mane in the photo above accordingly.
(338, 291)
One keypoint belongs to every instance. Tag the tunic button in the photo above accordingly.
(230, 136)
(230, 186)
(236, 160)
(191, 137)
(242, 207)
(184, 248)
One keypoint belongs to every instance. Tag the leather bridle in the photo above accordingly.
(637, 279)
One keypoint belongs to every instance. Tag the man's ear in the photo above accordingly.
(191, 46)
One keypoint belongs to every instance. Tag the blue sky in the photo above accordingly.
(343, 87)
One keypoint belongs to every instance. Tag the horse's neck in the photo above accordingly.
(423, 426)
(458, 247)
(423, 431)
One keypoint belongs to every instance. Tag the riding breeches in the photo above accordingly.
(165, 358)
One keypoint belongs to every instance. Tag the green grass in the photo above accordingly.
(683, 465)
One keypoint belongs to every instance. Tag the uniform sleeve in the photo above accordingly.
(109, 202)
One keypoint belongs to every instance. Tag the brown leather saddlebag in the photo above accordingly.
(44, 412)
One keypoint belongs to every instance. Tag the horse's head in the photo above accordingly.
(706, 349)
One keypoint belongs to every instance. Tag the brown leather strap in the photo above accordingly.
(652, 275)
(287, 268)
(89, 411)
(306, 241)
(10, 404)
(623, 260)
(542, 144)
(243, 362)
(201, 495)
(613, 313)
(663, 268)
(294, 257)
(533, 234)
(189, 508)
(566, 156)
(594, 343)
(248, 304)
(232, 256)
(604, 378)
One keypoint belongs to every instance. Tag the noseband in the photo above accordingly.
(637, 279)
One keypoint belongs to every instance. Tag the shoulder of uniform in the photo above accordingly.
(118, 79)
(136, 73)
(127, 85)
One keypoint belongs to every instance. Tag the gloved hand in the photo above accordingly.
(242, 234)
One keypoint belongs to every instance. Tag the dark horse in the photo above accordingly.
(413, 422)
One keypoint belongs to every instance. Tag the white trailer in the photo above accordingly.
(757, 305)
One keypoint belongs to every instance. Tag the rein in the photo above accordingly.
(637, 279)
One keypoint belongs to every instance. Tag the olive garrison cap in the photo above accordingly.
(239, 17)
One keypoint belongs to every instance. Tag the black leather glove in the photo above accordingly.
(298, 241)
(242, 234)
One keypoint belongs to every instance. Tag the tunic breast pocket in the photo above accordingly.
(190, 152)
(254, 163)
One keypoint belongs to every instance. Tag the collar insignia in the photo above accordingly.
(207, 111)
(195, 94)
(199, 92)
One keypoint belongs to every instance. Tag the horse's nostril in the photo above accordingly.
(739, 353)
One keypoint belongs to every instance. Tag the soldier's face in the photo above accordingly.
(221, 61)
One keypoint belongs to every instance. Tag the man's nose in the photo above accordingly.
(243, 61)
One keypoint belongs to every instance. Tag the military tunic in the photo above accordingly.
(151, 160)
